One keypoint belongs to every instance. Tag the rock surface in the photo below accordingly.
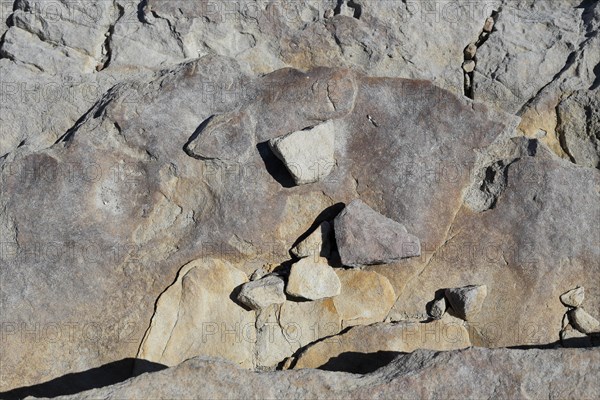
(365, 237)
(313, 280)
(366, 297)
(482, 373)
(195, 316)
(342, 352)
(134, 138)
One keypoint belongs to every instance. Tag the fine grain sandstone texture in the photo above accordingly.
(168, 169)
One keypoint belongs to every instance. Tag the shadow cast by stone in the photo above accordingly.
(77, 382)
(275, 166)
(360, 363)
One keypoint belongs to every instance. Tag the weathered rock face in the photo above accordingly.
(482, 373)
(341, 353)
(135, 138)
(196, 315)
(366, 297)
(365, 237)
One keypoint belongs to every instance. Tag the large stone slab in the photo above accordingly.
(196, 316)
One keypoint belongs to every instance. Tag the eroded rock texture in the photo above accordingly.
(142, 188)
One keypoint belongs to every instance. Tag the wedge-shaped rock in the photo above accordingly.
(583, 322)
(574, 297)
(263, 292)
(309, 154)
(313, 280)
(350, 350)
(366, 297)
(365, 237)
(317, 244)
(466, 301)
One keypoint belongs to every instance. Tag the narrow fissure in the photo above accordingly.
(106, 46)
(470, 53)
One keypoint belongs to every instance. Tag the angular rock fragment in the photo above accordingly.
(583, 322)
(313, 280)
(317, 244)
(261, 293)
(309, 154)
(489, 24)
(574, 297)
(466, 301)
(365, 237)
(470, 51)
(366, 297)
(438, 308)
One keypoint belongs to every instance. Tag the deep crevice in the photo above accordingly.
(357, 9)
(106, 46)
(469, 75)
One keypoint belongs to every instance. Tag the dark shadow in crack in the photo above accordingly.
(359, 363)
(275, 166)
(328, 214)
(77, 382)
(197, 132)
(234, 297)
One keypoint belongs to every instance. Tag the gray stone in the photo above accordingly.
(308, 154)
(365, 237)
(438, 308)
(261, 293)
(573, 297)
(583, 322)
(313, 280)
(317, 244)
(466, 301)
(470, 51)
